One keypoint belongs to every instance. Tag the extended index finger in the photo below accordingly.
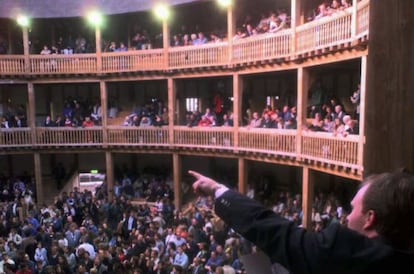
(195, 174)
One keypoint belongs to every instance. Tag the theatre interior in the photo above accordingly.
(269, 96)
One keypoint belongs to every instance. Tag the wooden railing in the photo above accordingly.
(12, 65)
(330, 149)
(269, 141)
(15, 137)
(362, 19)
(136, 136)
(325, 33)
(316, 147)
(139, 60)
(67, 136)
(63, 63)
(202, 137)
(263, 47)
(198, 56)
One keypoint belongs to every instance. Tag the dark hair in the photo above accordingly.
(391, 197)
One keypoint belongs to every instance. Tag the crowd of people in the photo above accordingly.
(82, 232)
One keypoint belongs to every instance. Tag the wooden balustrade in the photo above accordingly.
(319, 147)
(136, 136)
(63, 63)
(68, 136)
(215, 54)
(136, 60)
(269, 141)
(12, 64)
(324, 33)
(263, 47)
(362, 19)
(15, 137)
(331, 149)
(204, 137)
(315, 146)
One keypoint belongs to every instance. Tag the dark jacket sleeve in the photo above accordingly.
(334, 250)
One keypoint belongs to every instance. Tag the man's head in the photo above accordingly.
(384, 206)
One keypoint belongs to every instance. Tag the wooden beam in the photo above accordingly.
(307, 197)
(389, 128)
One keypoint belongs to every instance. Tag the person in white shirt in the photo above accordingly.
(5, 260)
(15, 237)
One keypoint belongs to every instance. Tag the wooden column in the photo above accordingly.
(165, 40)
(177, 180)
(104, 110)
(31, 115)
(354, 17)
(242, 175)
(231, 25)
(110, 178)
(297, 19)
(307, 196)
(303, 89)
(26, 49)
(98, 49)
(361, 123)
(237, 106)
(171, 108)
(389, 127)
(38, 177)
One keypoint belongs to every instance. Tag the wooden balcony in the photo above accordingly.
(121, 136)
(313, 148)
(325, 148)
(69, 137)
(216, 138)
(14, 138)
(276, 142)
(129, 61)
(63, 64)
(340, 31)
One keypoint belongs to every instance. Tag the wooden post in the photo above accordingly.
(231, 23)
(26, 49)
(307, 197)
(297, 19)
(165, 41)
(242, 175)
(354, 17)
(104, 111)
(177, 180)
(171, 109)
(389, 96)
(38, 178)
(237, 106)
(302, 105)
(110, 178)
(361, 122)
(31, 113)
(98, 49)
(31, 119)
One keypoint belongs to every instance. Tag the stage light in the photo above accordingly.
(225, 3)
(23, 20)
(95, 18)
(162, 11)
